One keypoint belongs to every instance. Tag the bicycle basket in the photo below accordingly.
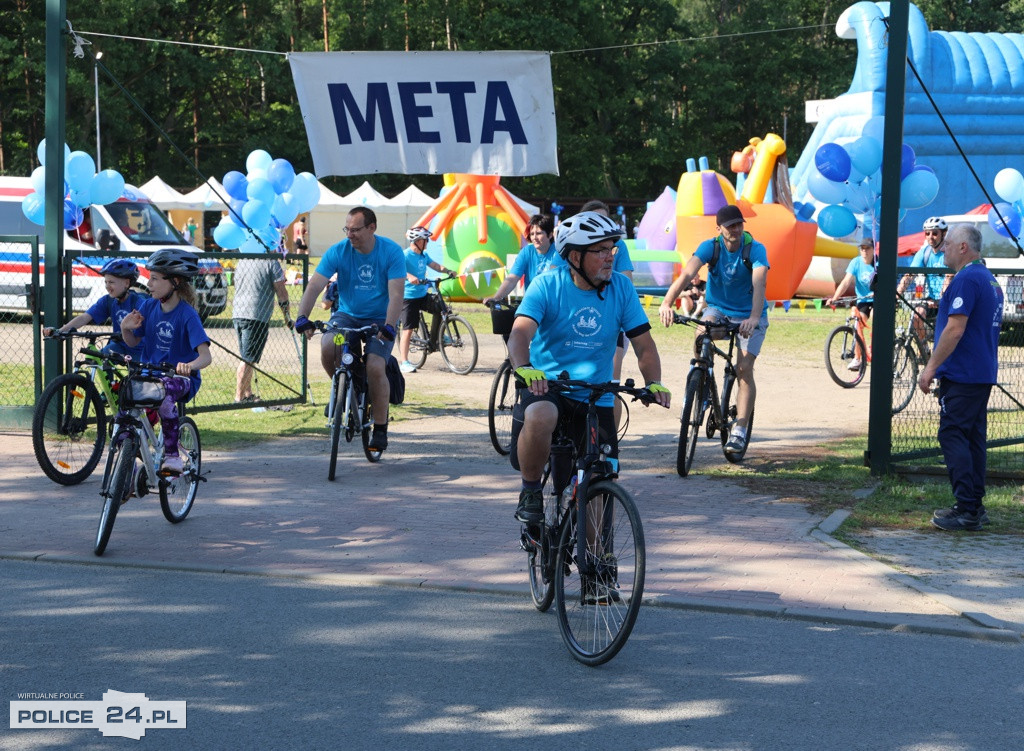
(501, 320)
(142, 392)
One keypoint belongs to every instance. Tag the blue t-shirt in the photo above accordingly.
(531, 263)
(975, 293)
(415, 264)
(862, 273)
(363, 277)
(731, 284)
(927, 258)
(171, 337)
(622, 262)
(577, 330)
(108, 308)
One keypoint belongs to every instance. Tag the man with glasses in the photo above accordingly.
(931, 255)
(737, 278)
(370, 282)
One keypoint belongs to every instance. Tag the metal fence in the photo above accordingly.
(279, 377)
(915, 446)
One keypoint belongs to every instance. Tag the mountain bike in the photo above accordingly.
(135, 440)
(69, 422)
(702, 398)
(448, 333)
(349, 410)
(503, 391)
(596, 579)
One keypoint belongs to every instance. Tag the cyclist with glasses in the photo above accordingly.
(931, 255)
(569, 320)
(737, 278)
(371, 281)
(415, 299)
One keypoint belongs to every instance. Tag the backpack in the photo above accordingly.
(748, 241)
(396, 380)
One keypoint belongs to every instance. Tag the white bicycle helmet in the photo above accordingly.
(417, 233)
(583, 230)
(935, 222)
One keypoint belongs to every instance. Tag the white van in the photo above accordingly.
(133, 224)
(999, 253)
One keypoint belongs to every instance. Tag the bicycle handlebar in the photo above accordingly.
(563, 383)
(364, 332)
(495, 305)
(691, 321)
(92, 336)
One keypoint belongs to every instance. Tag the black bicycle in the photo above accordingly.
(702, 397)
(503, 389)
(448, 333)
(349, 409)
(596, 579)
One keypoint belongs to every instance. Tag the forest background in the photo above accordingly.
(640, 85)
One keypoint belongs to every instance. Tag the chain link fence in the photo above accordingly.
(277, 379)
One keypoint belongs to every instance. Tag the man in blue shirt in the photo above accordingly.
(371, 280)
(735, 290)
(931, 255)
(569, 320)
(965, 361)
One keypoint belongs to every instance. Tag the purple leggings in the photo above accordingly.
(178, 389)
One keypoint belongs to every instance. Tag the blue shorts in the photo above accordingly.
(375, 345)
(750, 344)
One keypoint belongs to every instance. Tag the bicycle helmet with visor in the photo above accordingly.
(583, 230)
(174, 262)
(417, 233)
(123, 268)
(935, 222)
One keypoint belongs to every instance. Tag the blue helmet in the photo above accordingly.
(124, 268)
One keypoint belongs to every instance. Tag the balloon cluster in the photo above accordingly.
(262, 202)
(83, 186)
(849, 180)
(1009, 185)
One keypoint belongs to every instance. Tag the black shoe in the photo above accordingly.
(531, 506)
(946, 513)
(958, 520)
(378, 440)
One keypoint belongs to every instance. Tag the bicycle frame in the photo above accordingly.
(706, 362)
(438, 317)
(151, 451)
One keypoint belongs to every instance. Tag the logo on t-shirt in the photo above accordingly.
(587, 322)
(958, 302)
(366, 273)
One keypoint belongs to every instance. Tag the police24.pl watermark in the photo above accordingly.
(117, 715)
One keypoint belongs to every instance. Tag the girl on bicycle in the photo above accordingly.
(119, 274)
(168, 329)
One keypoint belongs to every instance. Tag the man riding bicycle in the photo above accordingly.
(737, 277)
(569, 321)
(931, 255)
(371, 280)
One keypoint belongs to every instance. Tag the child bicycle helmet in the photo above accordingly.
(935, 222)
(123, 268)
(583, 230)
(417, 233)
(174, 262)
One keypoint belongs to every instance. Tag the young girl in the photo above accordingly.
(119, 274)
(169, 330)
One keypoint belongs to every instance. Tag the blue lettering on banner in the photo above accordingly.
(499, 112)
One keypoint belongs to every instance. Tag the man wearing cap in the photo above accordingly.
(737, 275)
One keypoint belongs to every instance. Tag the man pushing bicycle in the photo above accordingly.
(569, 321)
(737, 277)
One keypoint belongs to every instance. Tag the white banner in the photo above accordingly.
(484, 113)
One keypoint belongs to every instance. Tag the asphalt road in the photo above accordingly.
(275, 663)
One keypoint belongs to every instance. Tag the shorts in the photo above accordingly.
(411, 309)
(252, 338)
(573, 415)
(749, 344)
(376, 345)
(865, 307)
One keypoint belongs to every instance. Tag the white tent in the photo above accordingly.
(207, 197)
(164, 196)
(412, 197)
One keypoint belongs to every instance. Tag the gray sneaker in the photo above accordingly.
(735, 444)
(958, 520)
(955, 510)
(531, 506)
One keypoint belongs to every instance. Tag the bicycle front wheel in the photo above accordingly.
(117, 489)
(177, 494)
(458, 345)
(499, 409)
(340, 416)
(372, 455)
(69, 429)
(845, 357)
(904, 375)
(598, 599)
(730, 411)
(419, 343)
(542, 592)
(689, 427)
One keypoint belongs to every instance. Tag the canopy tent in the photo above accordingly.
(164, 196)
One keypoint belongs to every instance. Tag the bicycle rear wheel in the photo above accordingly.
(458, 345)
(597, 610)
(340, 416)
(843, 348)
(117, 489)
(904, 375)
(372, 455)
(690, 421)
(69, 429)
(542, 592)
(177, 494)
(730, 412)
(499, 409)
(419, 343)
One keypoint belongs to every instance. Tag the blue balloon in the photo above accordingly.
(907, 161)
(825, 190)
(261, 190)
(251, 244)
(228, 235)
(918, 189)
(836, 221)
(281, 175)
(41, 153)
(235, 213)
(285, 209)
(235, 184)
(106, 186)
(73, 215)
(306, 190)
(258, 160)
(256, 214)
(1011, 223)
(33, 207)
(833, 162)
(39, 180)
(81, 198)
(865, 155)
(79, 170)
(859, 197)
